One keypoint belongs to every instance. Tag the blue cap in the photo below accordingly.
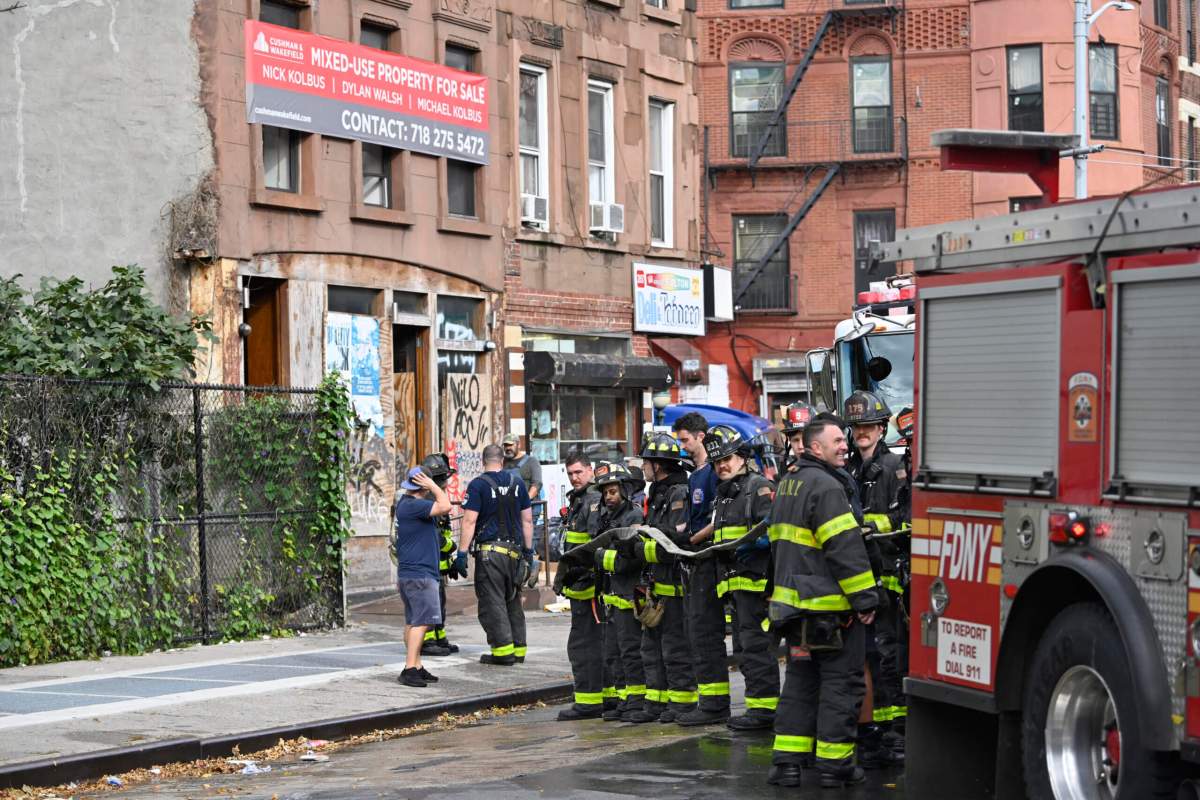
(408, 484)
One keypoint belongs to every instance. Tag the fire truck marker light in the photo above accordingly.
(1067, 528)
(1010, 590)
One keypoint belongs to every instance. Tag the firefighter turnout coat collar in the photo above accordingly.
(820, 557)
(583, 508)
(880, 478)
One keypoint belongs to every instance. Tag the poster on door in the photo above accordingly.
(352, 351)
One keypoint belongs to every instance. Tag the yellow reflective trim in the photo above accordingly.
(650, 552)
(741, 583)
(668, 590)
(783, 532)
(882, 522)
(790, 597)
(430, 635)
(506, 650)
(722, 590)
(618, 602)
(444, 565)
(609, 692)
(881, 715)
(682, 696)
(766, 624)
(622, 694)
(713, 689)
(899, 712)
(580, 594)
(655, 696)
(729, 533)
(834, 751)
(495, 548)
(833, 527)
(769, 703)
(519, 652)
(577, 537)
(793, 744)
(589, 698)
(857, 583)
(891, 583)
(610, 560)
(635, 691)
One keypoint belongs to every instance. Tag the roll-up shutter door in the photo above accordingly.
(990, 379)
(1158, 376)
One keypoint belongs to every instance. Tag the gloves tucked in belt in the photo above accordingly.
(459, 566)
(747, 549)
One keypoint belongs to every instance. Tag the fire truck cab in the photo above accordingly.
(1055, 592)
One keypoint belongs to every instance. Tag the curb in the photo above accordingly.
(88, 766)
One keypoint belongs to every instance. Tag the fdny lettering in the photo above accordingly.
(503, 490)
(965, 550)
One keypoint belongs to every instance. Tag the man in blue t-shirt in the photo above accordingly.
(498, 519)
(417, 545)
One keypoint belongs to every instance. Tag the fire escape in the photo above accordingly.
(833, 159)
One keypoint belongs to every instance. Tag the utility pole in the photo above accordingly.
(1083, 10)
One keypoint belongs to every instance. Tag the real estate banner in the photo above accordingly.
(321, 85)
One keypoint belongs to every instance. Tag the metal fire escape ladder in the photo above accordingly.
(830, 173)
(780, 114)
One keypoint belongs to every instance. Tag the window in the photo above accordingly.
(871, 93)
(547, 342)
(461, 184)
(352, 300)
(756, 3)
(662, 178)
(601, 177)
(278, 13)
(460, 57)
(569, 418)
(754, 94)
(1102, 85)
(377, 175)
(771, 288)
(871, 226)
(375, 36)
(1018, 204)
(533, 131)
(1025, 88)
(657, 3)
(1189, 29)
(281, 159)
(1191, 147)
(1162, 115)
(1162, 14)
(459, 319)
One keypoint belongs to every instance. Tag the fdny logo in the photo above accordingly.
(966, 551)
(698, 497)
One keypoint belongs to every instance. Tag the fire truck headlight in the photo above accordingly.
(939, 597)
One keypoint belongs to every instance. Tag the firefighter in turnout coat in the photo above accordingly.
(625, 676)
(882, 479)
(824, 597)
(585, 643)
(666, 649)
(743, 500)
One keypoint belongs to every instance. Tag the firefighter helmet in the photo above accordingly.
(796, 417)
(608, 473)
(722, 441)
(662, 446)
(865, 408)
(437, 466)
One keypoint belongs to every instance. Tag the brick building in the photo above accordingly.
(846, 157)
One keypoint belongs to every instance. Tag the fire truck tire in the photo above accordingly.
(1080, 733)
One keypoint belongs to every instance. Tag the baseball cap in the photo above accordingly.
(510, 438)
(408, 484)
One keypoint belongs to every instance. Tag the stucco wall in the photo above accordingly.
(102, 129)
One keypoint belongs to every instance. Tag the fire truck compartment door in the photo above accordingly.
(1156, 440)
(990, 361)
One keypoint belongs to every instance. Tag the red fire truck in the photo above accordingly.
(1055, 594)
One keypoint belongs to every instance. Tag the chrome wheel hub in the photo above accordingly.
(1083, 737)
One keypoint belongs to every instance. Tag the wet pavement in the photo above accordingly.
(526, 756)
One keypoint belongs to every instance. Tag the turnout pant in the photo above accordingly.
(823, 691)
(706, 624)
(623, 652)
(500, 612)
(437, 633)
(760, 664)
(891, 639)
(667, 656)
(585, 649)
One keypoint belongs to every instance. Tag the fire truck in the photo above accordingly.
(1055, 593)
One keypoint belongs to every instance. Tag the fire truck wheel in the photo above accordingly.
(1080, 733)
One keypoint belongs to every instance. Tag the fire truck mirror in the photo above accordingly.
(879, 368)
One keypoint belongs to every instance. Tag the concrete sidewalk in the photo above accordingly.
(67, 721)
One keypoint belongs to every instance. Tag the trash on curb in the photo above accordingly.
(113, 780)
(156, 770)
(557, 608)
(254, 769)
(315, 743)
(314, 757)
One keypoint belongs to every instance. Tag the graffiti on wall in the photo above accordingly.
(467, 429)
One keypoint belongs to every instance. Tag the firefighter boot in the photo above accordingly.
(574, 713)
(702, 717)
(753, 720)
(787, 774)
(849, 776)
(872, 752)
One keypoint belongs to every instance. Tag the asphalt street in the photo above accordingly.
(526, 756)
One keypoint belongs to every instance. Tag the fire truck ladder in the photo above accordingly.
(831, 172)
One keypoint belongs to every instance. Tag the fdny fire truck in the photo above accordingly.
(1055, 593)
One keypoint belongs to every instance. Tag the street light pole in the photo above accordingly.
(1083, 10)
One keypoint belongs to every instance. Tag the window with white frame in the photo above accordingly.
(601, 177)
(534, 139)
(657, 3)
(662, 178)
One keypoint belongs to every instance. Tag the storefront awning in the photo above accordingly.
(580, 369)
(679, 349)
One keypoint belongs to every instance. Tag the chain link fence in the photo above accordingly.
(215, 494)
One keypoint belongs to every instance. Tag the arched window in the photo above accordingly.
(756, 76)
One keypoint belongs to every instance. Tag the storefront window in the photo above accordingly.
(595, 422)
(459, 319)
(573, 343)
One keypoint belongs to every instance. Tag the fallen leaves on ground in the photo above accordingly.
(287, 751)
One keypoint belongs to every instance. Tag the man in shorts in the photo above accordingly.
(417, 544)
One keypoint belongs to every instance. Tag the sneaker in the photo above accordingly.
(427, 676)
(702, 717)
(580, 712)
(434, 650)
(497, 661)
(751, 722)
(784, 775)
(412, 677)
(851, 776)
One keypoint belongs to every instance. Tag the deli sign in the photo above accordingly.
(321, 85)
(668, 300)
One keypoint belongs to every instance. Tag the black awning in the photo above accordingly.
(581, 369)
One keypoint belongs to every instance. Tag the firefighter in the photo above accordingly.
(824, 597)
(666, 650)
(882, 478)
(585, 643)
(743, 500)
(437, 467)
(625, 674)
(705, 613)
(795, 418)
